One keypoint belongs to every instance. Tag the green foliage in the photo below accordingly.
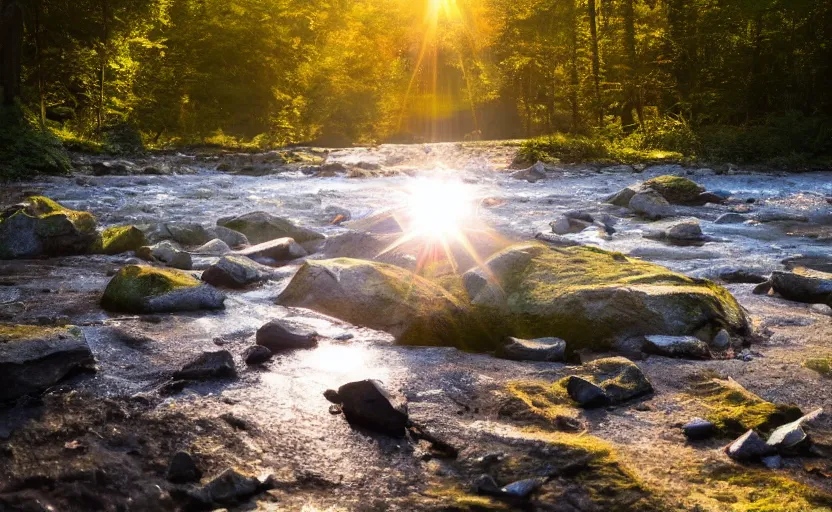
(121, 138)
(822, 365)
(26, 150)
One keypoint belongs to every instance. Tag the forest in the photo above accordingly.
(741, 80)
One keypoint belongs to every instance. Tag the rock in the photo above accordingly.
(540, 349)
(11, 310)
(231, 488)
(556, 240)
(762, 289)
(143, 289)
(332, 396)
(686, 231)
(675, 189)
(485, 484)
(262, 227)
(803, 285)
(593, 298)
(257, 354)
(368, 404)
(819, 263)
(730, 218)
(416, 311)
(585, 392)
(382, 223)
(567, 225)
(749, 446)
(787, 437)
(113, 167)
(522, 489)
(119, 239)
(776, 216)
(335, 215)
(741, 276)
(233, 238)
(34, 358)
(708, 197)
(622, 197)
(215, 247)
(686, 347)
(698, 429)
(189, 233)
(208, 366)
(773, 462)
(821, 309)
(168, 253)
(278, 335)
(533, 174)
(236, 272)
(620, 378)
(722, 341)
(651, 205)
(182, 469)
(282, 249)
(619, 169)
(40, 226)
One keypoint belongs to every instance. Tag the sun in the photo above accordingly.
(438, 8)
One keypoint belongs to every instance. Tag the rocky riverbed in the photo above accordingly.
(717, 291)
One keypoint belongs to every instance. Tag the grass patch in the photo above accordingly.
(822, 365)
(751, 490)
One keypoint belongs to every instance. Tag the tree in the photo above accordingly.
(11, 42)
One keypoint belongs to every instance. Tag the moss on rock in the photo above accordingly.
(822, 365)
(542, 402)
(675, 189)
(119, 239)
(735, 410)
(40, 226)
(130, 289)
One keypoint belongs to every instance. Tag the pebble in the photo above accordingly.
(698, 429)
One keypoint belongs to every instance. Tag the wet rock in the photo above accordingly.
(231, 488)
(777, 216)
(708, 197)
(585, 393)
(741, 276)
(540, 349)
(688, 231)
(686, 347)
(698, 429)
(367, 403)
(356, 291)
(11, 310)
(556, 240)
(594, 298)
(568, 225)
(35, 358)
(675, 189)
(819, 263)
(533, 174)
(119, 239)
(619, 169)
(803, 285)
(622, 197)
(215, 247)
(182, 469)
(208, 366)
(820, 309)
(730, 218)
(236, 272)
(189, 233)
(114, 168)
(749, 446)
(257, 354)
(40, 226)
(282, 249)
(233, 238)
(786, 438)
(168, 253)
(773, 462)
(651, 205)
(335, 215)
(382, 223)
(143, 289)
(278, 335)
(722, 340)
(762, 289)
(262, 227)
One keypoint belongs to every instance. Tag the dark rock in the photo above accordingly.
(368, 404)
(522, 489)
(485, 484)
(568, 225)
(209, 365)
(819, 263)
(233, 238)
(332, 396)
(620, 378)
(278, 335)
(579, 215)
(282, 249)
(231, 488)
(708, 197)
(730, 218)
(257, 354)
(622, 197)
(556, 240)
(698, 429)
(182, 469)
(762, 289)
(540, 349)
(40, 226)
(803, 285)
(262, 227)
(688, 347)
(778, 216)
(189, 233)
(773, 462)
(35, 358)
(236, 272)
(741, 276)
(749, 446)
(722, 340)
(585, 392)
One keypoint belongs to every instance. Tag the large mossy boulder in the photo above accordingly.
(592, 298)
(34, 358)
(145, 289)
(39, 226)
(119, 239)
(262, 227)
(675, 189)
(381, 296)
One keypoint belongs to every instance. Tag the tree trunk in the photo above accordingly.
(596, 60)
(11, 47)
(573, 64)
(630, 88)
(103, 62)
(39, 61)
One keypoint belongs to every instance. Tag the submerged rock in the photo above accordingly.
(688, 347)
(803, 285)
(208, 365)
(593, 298)
(279, 335)
(540, 349)
(40, 226)
(236, 272)
(144, 289)
(262, 227)
(380, 296)
(282, 249)
(34, 358)
(367, 403)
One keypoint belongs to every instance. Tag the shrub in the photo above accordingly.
(26, 150)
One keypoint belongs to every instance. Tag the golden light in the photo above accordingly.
(437, 8)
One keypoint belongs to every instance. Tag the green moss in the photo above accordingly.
(119, 239)
(822, 365)
(751, 490)
(53, 213)
(546, 401)
(128, 289)
(675, 189)
(25, 332)
(734, 410)
(453, 498)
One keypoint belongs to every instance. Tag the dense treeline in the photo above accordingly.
(342, 71)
